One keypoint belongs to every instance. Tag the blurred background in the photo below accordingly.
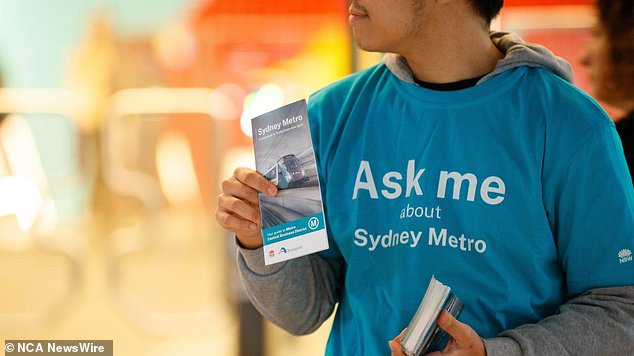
(118, 120)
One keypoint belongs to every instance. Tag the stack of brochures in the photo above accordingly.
(423, 334)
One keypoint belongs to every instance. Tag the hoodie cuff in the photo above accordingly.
(502, 346)
(254, 260)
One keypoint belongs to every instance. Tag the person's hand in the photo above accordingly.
(464, 340)
(238, 207)
(395, 345)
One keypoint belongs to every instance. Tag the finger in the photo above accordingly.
(239, 208)
(395, 345)
(395, 348)
(235, 224)
(234, 187)
(462, 333)
(255, 180)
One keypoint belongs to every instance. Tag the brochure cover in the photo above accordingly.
(293, 223)
(423, 334)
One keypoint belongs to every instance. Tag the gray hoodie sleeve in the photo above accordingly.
(598, 322)
(298, 295)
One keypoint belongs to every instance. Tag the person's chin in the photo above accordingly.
(367, 45)
(372, 48)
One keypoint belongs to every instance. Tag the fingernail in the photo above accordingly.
(252, 226)
(272, 191)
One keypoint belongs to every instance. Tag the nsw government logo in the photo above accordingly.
(313, 223)
(271, 253)
(625, 255)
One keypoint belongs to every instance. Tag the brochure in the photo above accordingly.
(293, 223)
(423, 335)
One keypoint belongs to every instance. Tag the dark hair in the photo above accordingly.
(487, 9)
(616, 23)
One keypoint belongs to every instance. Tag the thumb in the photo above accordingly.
(393, 348)
(460, 332)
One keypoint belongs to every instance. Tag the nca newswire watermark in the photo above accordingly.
(58, 347)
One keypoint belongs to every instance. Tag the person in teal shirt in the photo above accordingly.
(467, 155)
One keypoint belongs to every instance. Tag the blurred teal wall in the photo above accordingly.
(37, 38)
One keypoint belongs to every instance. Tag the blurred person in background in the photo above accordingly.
(541, 256)
(610, 59)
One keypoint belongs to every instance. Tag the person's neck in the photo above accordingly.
(451, 49)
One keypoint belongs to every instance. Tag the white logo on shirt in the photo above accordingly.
(625, 255)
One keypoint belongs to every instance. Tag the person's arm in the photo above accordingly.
(589, 200)
(298, 295)
(598, 322)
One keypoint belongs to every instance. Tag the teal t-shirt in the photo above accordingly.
(514, 192)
